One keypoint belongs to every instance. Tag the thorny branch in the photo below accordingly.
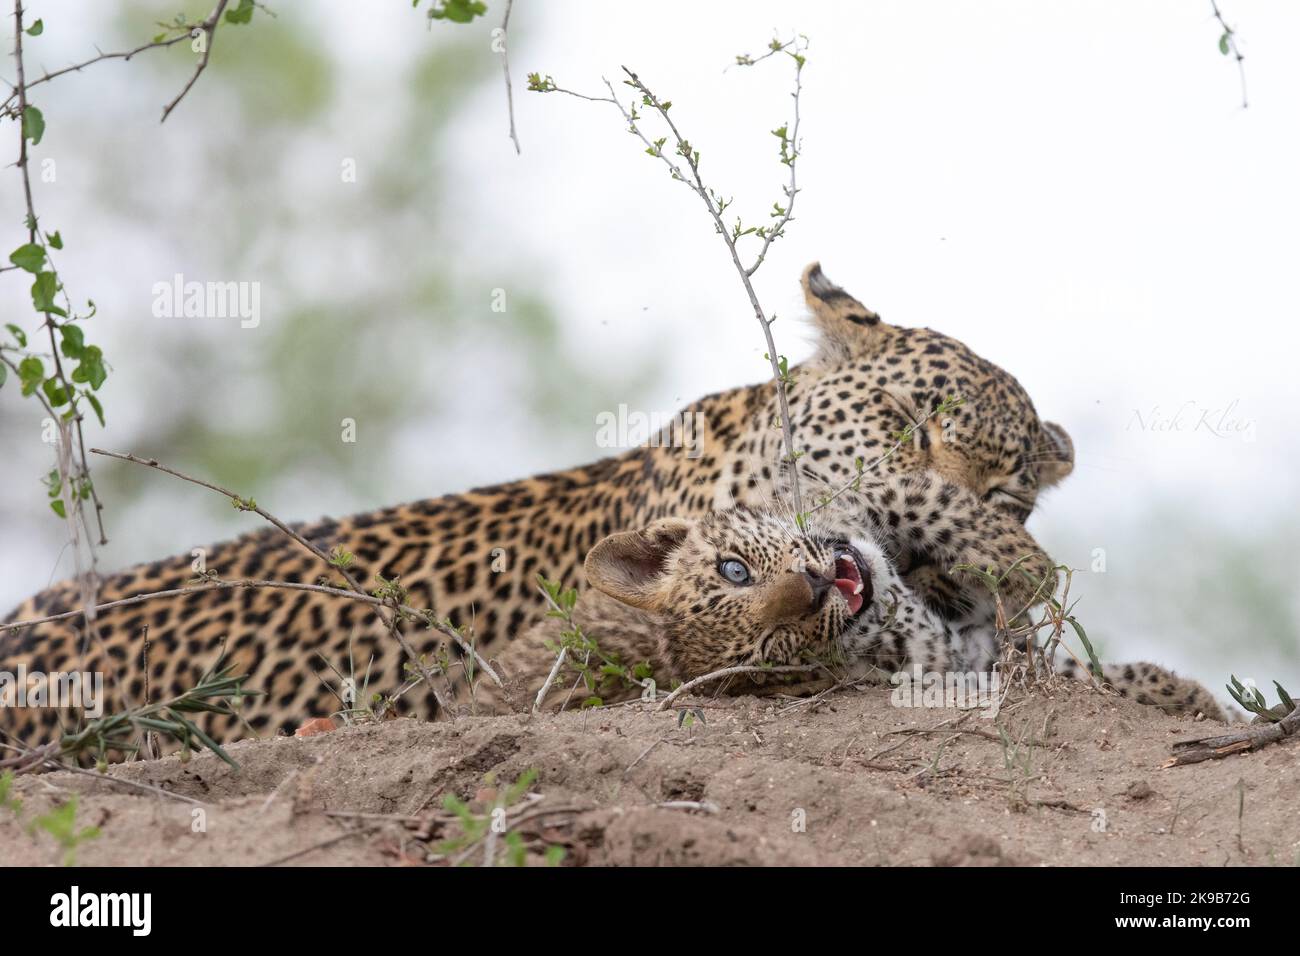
(716, 206)
(1228, 46)
(68, 463)
(124, 55)
(209, 28)
(72, 464)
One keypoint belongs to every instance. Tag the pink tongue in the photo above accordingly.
(847, 588)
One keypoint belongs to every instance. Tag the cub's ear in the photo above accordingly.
(847, 326)
(1055, 456)
(630, 565)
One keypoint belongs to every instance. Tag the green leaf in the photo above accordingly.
(31, 372)
(1223, 44)
(1094, 664)
(61, 821)
(36, 29)
(43, 292)
(91, 369)
(55, 240)
(4, 373)
(57, 507)
(96, 406)
(29, 257)
(55, 392)
(242, 13)
(205, 739)
(33, 124)
(74, 341)
(19, 335)
(457, 11)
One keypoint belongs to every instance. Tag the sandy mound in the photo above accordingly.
(1068, 779)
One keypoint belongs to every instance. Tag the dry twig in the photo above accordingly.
(1239, 741)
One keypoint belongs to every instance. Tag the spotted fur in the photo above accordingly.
(659, 599)
(474, 557)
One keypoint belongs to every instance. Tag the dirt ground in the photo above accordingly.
(1070, 778)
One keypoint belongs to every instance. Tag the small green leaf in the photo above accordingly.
(55, 240)
(36, 29)
(457, 11)
(33, 124)
(57, 507)
(91, 369)
(1223, 44)
(19, 335)
(29, 257)
(74, 341)
(31, 372)
(242, 13)
(43, 291)
(94, 403)
(4, 373)
(55, 392)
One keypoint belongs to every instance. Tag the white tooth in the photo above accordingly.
(858, 589)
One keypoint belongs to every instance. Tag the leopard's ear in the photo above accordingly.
(848, 328)
(1055, 458)
(630, 565)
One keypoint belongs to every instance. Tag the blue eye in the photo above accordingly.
(734, 571)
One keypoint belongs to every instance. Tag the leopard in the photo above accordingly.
(473, 558)
(746, 589)
(741, 593)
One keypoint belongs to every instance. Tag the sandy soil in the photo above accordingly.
(1070, 778)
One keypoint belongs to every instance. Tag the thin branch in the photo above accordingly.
(742, 669)
(715, 208)
(28, 759)
(505, 63)
(124, 55)
(550, 678)
(390, 623)
(854, 483)
(218, 584)
(792, 190)
(324, 844)
(692, 161)
(1229, 40)
(209, 28)
(71, 465)
(704, 806)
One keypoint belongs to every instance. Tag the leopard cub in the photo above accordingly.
(684, 597)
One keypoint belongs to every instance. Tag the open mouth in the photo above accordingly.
(852, 578)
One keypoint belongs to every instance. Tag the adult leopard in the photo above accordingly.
(474, 557)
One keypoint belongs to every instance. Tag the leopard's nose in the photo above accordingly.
(821, 586)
